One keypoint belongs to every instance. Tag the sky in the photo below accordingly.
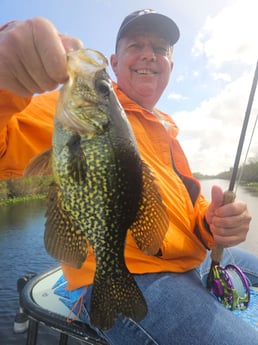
(214, 64)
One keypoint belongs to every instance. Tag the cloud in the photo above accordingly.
(221, 76)
(180, 78)
(231, 36)
(196, 74)
(176, 96)
(209, 133)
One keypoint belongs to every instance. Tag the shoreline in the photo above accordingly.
(22, 189)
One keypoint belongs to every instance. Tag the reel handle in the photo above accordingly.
(217, 251)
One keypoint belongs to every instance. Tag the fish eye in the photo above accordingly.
(103, 87)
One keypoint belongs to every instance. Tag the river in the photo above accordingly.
(250, 196)
(22, 251)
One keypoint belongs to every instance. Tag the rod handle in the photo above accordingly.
(217, 251)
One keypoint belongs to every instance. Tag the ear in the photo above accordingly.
(171, 66)
(114, 62)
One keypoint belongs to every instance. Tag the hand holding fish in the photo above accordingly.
(228, 223)
(33, 56)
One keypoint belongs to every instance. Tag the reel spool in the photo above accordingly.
(230, 286)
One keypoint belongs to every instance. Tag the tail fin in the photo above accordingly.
(115, 296)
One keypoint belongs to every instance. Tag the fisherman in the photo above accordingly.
(173, 282)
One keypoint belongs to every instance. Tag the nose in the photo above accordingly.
(148, 53)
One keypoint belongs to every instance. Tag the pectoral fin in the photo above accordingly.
(40, 165)
(152, 220)
(63, 239)
(77, 163)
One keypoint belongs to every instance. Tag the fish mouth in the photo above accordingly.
(88, 59)
(78, 110)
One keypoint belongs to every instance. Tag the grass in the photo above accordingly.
(12, 201)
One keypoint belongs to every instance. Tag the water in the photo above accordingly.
(22, 251)
(250, 197)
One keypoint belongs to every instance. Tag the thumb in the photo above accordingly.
(216, 202)
(217, 197)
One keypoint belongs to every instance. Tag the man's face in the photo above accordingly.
(142, 66)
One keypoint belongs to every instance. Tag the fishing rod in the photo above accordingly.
(229, 284)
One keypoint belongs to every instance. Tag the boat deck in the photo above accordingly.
(39, 302)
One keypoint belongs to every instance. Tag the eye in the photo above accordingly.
(135, 45)
(103, 87)
(161, 50)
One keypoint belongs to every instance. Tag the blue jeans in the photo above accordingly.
(182, 311)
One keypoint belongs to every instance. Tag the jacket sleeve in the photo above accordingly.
(26, 130)
(9, 105)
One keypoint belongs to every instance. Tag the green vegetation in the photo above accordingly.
(35, 187)
(23, 188)
(249, 174)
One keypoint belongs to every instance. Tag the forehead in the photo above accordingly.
(151, 32)
(139, 35)
(144, 37)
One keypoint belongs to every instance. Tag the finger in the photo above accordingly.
(229, 241)
(233, 222)
(70, 43)
(233, 209)
(51, 51)
(22, 70)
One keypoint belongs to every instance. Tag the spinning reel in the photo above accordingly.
(230, 286)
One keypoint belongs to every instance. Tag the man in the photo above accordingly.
(180, 309)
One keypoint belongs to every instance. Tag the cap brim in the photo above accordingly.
(157, 22)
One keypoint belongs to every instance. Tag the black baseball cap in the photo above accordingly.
(153, 21)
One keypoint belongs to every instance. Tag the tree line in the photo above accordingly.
(247, 173)
(24, 187)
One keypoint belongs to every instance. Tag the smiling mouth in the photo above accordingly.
(145, 72)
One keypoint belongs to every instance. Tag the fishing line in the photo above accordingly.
(243, 131)
(246, 155)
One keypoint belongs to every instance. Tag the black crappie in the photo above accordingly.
(101, 188)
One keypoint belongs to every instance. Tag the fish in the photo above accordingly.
(101, 189)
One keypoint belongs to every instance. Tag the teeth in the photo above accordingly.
(144, 71)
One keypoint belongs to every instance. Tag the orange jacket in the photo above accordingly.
(26, 127)
(184, 247)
